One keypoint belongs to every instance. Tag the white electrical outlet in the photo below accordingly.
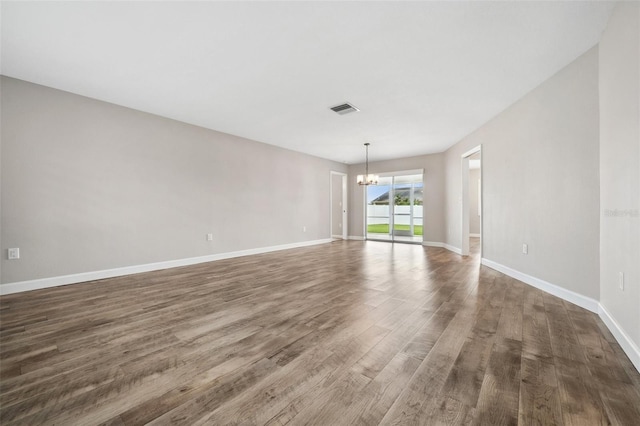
(304, 229)
(525, 249)
(13, 253)
(209, 237)
(621, 280)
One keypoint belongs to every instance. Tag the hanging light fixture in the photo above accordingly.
(367, 179)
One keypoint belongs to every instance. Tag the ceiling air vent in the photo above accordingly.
(345, 108)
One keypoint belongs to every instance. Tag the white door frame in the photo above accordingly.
(344, 204)
(464, 214)
(391, 197)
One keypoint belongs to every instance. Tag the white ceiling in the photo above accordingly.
(424, 74)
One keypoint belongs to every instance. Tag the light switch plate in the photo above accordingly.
(621, 280)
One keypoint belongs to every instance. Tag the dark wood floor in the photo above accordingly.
(344, 333)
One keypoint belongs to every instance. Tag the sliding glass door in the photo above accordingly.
(394, 208)
(379, 215)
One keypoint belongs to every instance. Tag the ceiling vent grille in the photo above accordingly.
(345, 108)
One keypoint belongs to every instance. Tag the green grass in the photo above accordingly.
(383, 228)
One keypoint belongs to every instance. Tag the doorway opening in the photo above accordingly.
(471, 214)
(338, 190)
(394, 208)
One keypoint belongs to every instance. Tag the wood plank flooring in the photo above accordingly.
(347, 333)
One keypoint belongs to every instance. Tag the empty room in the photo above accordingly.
(320, 212)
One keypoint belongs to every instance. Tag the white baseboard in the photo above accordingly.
(443, 245)
(475, 235)
(21, 286)
(355, 237)
(561, 292)
(432, 244)
(627, 345)
(453, 249)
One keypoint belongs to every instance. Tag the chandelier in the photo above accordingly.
(367, 179)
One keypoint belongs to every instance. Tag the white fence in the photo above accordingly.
(377, 214)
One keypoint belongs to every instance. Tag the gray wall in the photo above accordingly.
(620, 167)
(88, 186)
(433, 195)
(540, 181)
(474, 219)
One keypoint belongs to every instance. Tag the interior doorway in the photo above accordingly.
(471, 213)
(338, 206)
(394, 207)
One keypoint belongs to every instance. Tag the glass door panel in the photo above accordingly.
(407, 208)
(378, 210)
(394, 209)
(402, 228)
